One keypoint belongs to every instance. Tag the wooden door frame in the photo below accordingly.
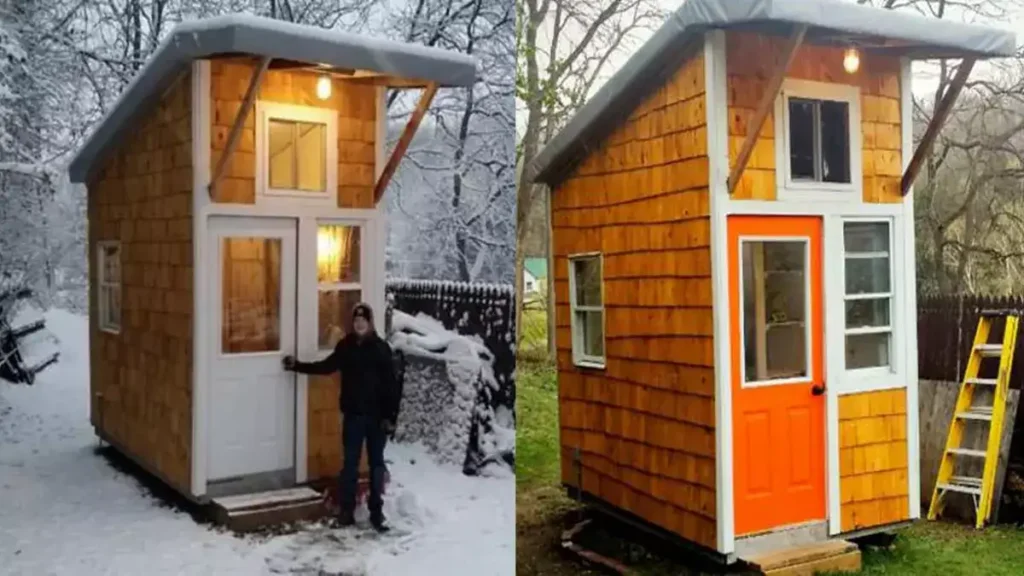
(209, 301)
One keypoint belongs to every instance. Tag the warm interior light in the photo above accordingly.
(327, 249)
(323, 88)
(334, 252)
(851, 60)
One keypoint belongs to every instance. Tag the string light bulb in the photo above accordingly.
(323, 87)
(851, 60)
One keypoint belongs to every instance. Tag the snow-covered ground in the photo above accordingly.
(65, 510)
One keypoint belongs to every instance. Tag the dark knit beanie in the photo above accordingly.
(363, 310)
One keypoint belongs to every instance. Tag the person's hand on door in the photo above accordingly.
(289, 363)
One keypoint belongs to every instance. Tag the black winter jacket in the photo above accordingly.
(368, 383)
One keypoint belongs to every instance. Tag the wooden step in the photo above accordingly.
(249, 512)
(810, 559)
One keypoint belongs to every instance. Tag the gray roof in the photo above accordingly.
(253, 35)
(908, 35)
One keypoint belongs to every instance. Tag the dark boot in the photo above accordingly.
(345, 519)
(379, 522)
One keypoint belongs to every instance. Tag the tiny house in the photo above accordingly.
(733, 248)
(233, 219)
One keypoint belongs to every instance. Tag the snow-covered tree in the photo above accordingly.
(453, 201)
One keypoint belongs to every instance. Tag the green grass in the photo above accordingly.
(537, 427)
(534, 344)
(941, 548)
(926, 548)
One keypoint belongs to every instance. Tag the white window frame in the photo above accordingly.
(876, 377)
(809, 324)
(340, 286)
(579, 357)
(103, 286)
(803, 191)
(267, 111)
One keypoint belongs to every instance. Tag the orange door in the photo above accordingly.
(777, 371)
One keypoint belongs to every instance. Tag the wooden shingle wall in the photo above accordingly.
(357, 128)
(141, 378)
(645, 424)
(873, 465)
(749, 71)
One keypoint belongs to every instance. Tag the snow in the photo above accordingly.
(65, 510)
(344, 40)
(447, 395)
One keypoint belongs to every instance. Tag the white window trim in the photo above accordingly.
(339, 286)
(578, 357)
(102, 286)
(790, 190)
(265, 111)
(880, 377)
(809, 327)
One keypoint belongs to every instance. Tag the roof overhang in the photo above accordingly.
(828, 22)
(353, 57)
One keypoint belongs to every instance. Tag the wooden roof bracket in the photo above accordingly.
(404, 141)
(240, 118)
(765, 106)
(937, 122)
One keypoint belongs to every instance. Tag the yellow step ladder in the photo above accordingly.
(980, 489)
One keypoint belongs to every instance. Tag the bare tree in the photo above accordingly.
(564, 49)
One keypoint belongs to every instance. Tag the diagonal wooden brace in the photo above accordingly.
(240, 118)
(404, 141)
(765, 106)
(936, 124)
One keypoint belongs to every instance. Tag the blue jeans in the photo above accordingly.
(357, 428)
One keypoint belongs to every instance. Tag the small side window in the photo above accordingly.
(339, 280)
(109, 286)
(586, 300)
(869, 294)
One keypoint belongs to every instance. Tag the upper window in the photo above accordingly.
(819, 136)
(586, 300)
(869, 294)
(297, 150)
(109, 292)
(819, 141)
(297, 155)
(339, 280)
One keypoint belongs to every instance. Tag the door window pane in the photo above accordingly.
(297, 155)
(250, 295)
(775, 330)
(335, 315)
(337, 254)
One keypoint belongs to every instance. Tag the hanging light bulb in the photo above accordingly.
(851, 60)
(323, 87)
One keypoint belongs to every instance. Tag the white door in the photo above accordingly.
(252, 308)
